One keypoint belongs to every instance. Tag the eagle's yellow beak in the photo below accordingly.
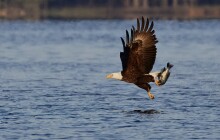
(109, 76)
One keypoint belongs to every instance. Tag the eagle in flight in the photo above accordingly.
(138, 58)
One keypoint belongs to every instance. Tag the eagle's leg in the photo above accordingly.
(147, 87)
(151, 96)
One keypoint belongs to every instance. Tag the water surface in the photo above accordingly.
(53, 86)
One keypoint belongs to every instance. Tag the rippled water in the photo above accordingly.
(53, 86)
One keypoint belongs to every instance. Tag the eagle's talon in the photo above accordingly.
(151, 96)
(157, 82)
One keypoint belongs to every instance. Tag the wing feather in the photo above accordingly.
(151, 27)
(132, 36)
(127, 37)
(143, 24)
(146, 25)
(138, 25)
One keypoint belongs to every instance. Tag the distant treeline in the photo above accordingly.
(105, 9)
(67, 3)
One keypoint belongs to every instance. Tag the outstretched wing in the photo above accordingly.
(140, 51)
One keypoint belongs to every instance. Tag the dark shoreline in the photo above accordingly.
(39, 12)
(103, 19)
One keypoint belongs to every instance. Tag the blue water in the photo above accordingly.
(53, 86)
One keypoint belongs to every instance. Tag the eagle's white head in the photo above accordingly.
(115, 75)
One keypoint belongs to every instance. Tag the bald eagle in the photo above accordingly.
(138, 58)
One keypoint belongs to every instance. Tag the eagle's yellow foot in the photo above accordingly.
(157, 82)
(151, 96)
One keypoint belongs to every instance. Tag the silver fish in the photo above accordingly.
(164, 74)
